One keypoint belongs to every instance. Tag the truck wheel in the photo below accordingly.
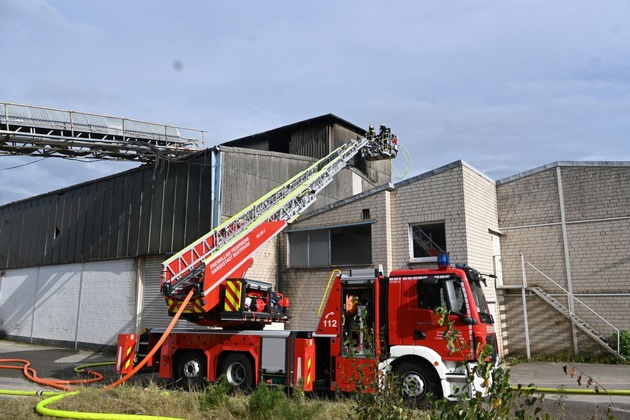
(238, 371)
(191, 370)
(416, 382)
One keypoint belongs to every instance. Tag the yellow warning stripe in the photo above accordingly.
(194, 306)
(232, 296)
(308, 368)
(128, 357)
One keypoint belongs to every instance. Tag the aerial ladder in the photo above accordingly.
(214, 265)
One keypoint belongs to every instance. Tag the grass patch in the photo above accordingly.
(214, 402)
(567, 357)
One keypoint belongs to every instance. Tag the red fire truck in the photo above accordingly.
(373, 323)
(370, 323)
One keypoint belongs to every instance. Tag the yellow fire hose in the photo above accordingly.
(56, 396)
(573, 390)
(45, 411)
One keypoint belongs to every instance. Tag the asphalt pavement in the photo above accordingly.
(571, 380)
(59, 363)
(48, 362)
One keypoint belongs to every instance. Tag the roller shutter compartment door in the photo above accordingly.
(154, 309)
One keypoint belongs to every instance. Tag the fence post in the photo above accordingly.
(525, 323)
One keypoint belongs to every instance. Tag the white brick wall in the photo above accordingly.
(56, 302)
(597, 215)
(86, 303)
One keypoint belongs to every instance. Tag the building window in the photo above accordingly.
(427, 241)
(335, 246)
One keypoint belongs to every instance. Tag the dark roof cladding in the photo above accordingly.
(331, 118)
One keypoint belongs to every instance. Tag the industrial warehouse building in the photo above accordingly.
(81, 265)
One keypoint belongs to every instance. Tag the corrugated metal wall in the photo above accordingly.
(145, 211)
(156, 210)
(248, 174)
(318, 141)
(341, 135)
(312, 140)
(316, 138)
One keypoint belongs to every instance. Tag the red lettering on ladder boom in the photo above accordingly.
(235, 255)
(226, 257)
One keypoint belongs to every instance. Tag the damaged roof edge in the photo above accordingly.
(326, 117)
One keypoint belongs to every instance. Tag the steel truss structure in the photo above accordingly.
(48, 132)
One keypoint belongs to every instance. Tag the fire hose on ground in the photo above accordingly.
(68, 390)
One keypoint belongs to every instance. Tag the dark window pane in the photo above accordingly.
(298, 249)
(429, 295)
(318, 248)
(351, 245)
(428, 240)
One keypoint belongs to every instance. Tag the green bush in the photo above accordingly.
(386, 402)
(624, 343)
(500, 401)
(272, 402)
(265, 399)
(215, 394)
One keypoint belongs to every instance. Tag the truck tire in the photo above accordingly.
(238, 372)
(191, 370)
(417, 381)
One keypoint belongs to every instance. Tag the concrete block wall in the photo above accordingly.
(600, 256)
(542, 246)
(57, 297)
(596, 192)
(75, 305)
(480, 205)
(434, 198)
(265, 267)
(307, 286)
(480, 201)
(613, 308)
(107, 305)
(549, 333)
(529, 200)
(529, 216)
(597, 225)
(600, 271)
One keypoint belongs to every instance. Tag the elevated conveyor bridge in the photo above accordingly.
(48, 132)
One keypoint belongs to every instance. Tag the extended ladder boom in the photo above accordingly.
(226, 250)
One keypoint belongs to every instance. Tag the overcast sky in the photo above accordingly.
(506, 86)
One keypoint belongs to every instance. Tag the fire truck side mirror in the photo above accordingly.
(469, 321)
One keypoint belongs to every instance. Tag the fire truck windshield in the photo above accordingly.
(481, 303)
